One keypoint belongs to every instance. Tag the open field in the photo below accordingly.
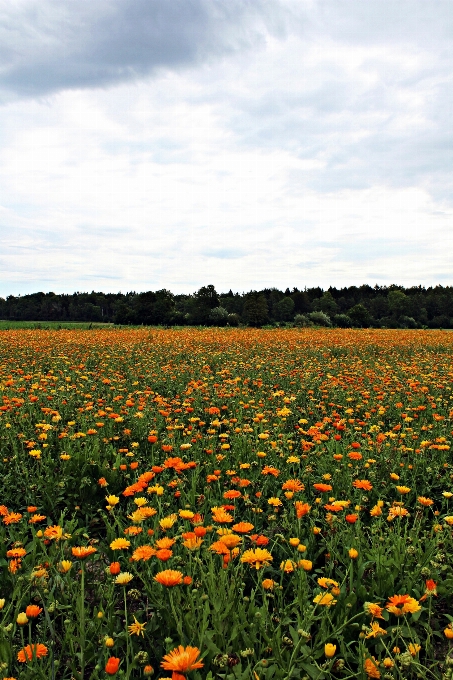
(277, 500)
(6, 325)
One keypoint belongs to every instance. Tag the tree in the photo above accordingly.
(284, 309)
(255, 311)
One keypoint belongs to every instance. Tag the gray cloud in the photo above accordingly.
(50, 46)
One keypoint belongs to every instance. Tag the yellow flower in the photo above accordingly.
(167, 522)
(275, 502)
(139, 502)
(257, 558)
(413, 648)
(186, 514)
(112, 500)
(329, 650)
(403, 489)
(306, 565)
(124, 578)
(22, 619)
(109, 642)
(287, 566)
(2, 603)
(157, 489)
(120, 544)
(65, 566)
(353, 553)
(376, 630)
(325, 599)
(269, 584)
(137, 628)
(294, 542)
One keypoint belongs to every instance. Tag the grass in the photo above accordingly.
(278, 501)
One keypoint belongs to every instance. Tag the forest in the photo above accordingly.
(352, 307)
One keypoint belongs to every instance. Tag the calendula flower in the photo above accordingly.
(287, 566)
(306, 565)
(169, 578)
(376, 630)
(242, 527)
(54, 533)
(402, 604)
(257, 558)
(167, 522)
(123, 578)
(182, 660)
(370, 667)
(143, 552)
(329, 650)
(112, 665)
(31, 652)
(413, 648)
(64, 566)
(83, 552)
(137, 628)
(268, 584)
(403, 489)
(120, 544)
(32, 611)
(374, 610)
(325, 599)
(362, 484)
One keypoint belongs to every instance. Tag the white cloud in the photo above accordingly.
(312, 150)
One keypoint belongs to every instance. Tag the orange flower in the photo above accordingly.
(169, 578)
(302, 509)
(294, 485)
(16, 552)
(351, 519)
(402, 604)
(143, 552)
(12, 518)
(112, 665)
(31, 652)
(220, 516)
(164, 554)
(82, 552)
(323, 488)
(182, 660)
(362, 484)
(370, 667)
(114, 568)
(32, 611)
(242, 527)
(229, 495)
(54, 532)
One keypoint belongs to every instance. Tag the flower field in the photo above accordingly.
(226, 503)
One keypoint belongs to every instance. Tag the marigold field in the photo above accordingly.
(226, 503)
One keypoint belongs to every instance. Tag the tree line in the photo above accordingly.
(361, 307)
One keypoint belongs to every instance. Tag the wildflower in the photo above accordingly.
(12, 518)
(109, 642)
(306, 565)
(301, 509)
(323, 488)
(275, 502)
(16, 552)
(182, 660)
(112, 500)
(54, 533)
(31, 652)
(186, 514)
(431, 589)
(294, 485)
(373, 609)
(169, 578)
(287, 566)
(112, 665)
(413, 648)
(32, 611)
(448, 631)
(397, 511)
(353, 553)
(22, 619)
(325, 599)
(167, 522)
(257, 558)
(362, 484)
(269, 584)
(230, 540)
(370, 667)
(34, 519)
(329, 650)
(376, 511)
(137, 628)
(220, 516)
(82, 552)
(325, 582)
(376, 630)
(120, 544)
(114, 568)
(351, 519)
(143, 552)
(402, 604)
(123, 578)
(426, 502)
(403, 489)
(242, 527)
(294, 542)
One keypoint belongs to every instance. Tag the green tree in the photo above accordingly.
(255, 311)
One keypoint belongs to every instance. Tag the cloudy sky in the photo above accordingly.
(148, 144)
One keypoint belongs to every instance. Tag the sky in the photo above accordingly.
(149, 144)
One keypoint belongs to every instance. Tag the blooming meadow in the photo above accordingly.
(226, 503)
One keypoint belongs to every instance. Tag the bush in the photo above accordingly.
(342, 320)
(302, 320)
(319, 319)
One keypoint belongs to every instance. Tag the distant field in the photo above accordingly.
(51, 325)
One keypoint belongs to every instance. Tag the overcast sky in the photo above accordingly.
(148, 144)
